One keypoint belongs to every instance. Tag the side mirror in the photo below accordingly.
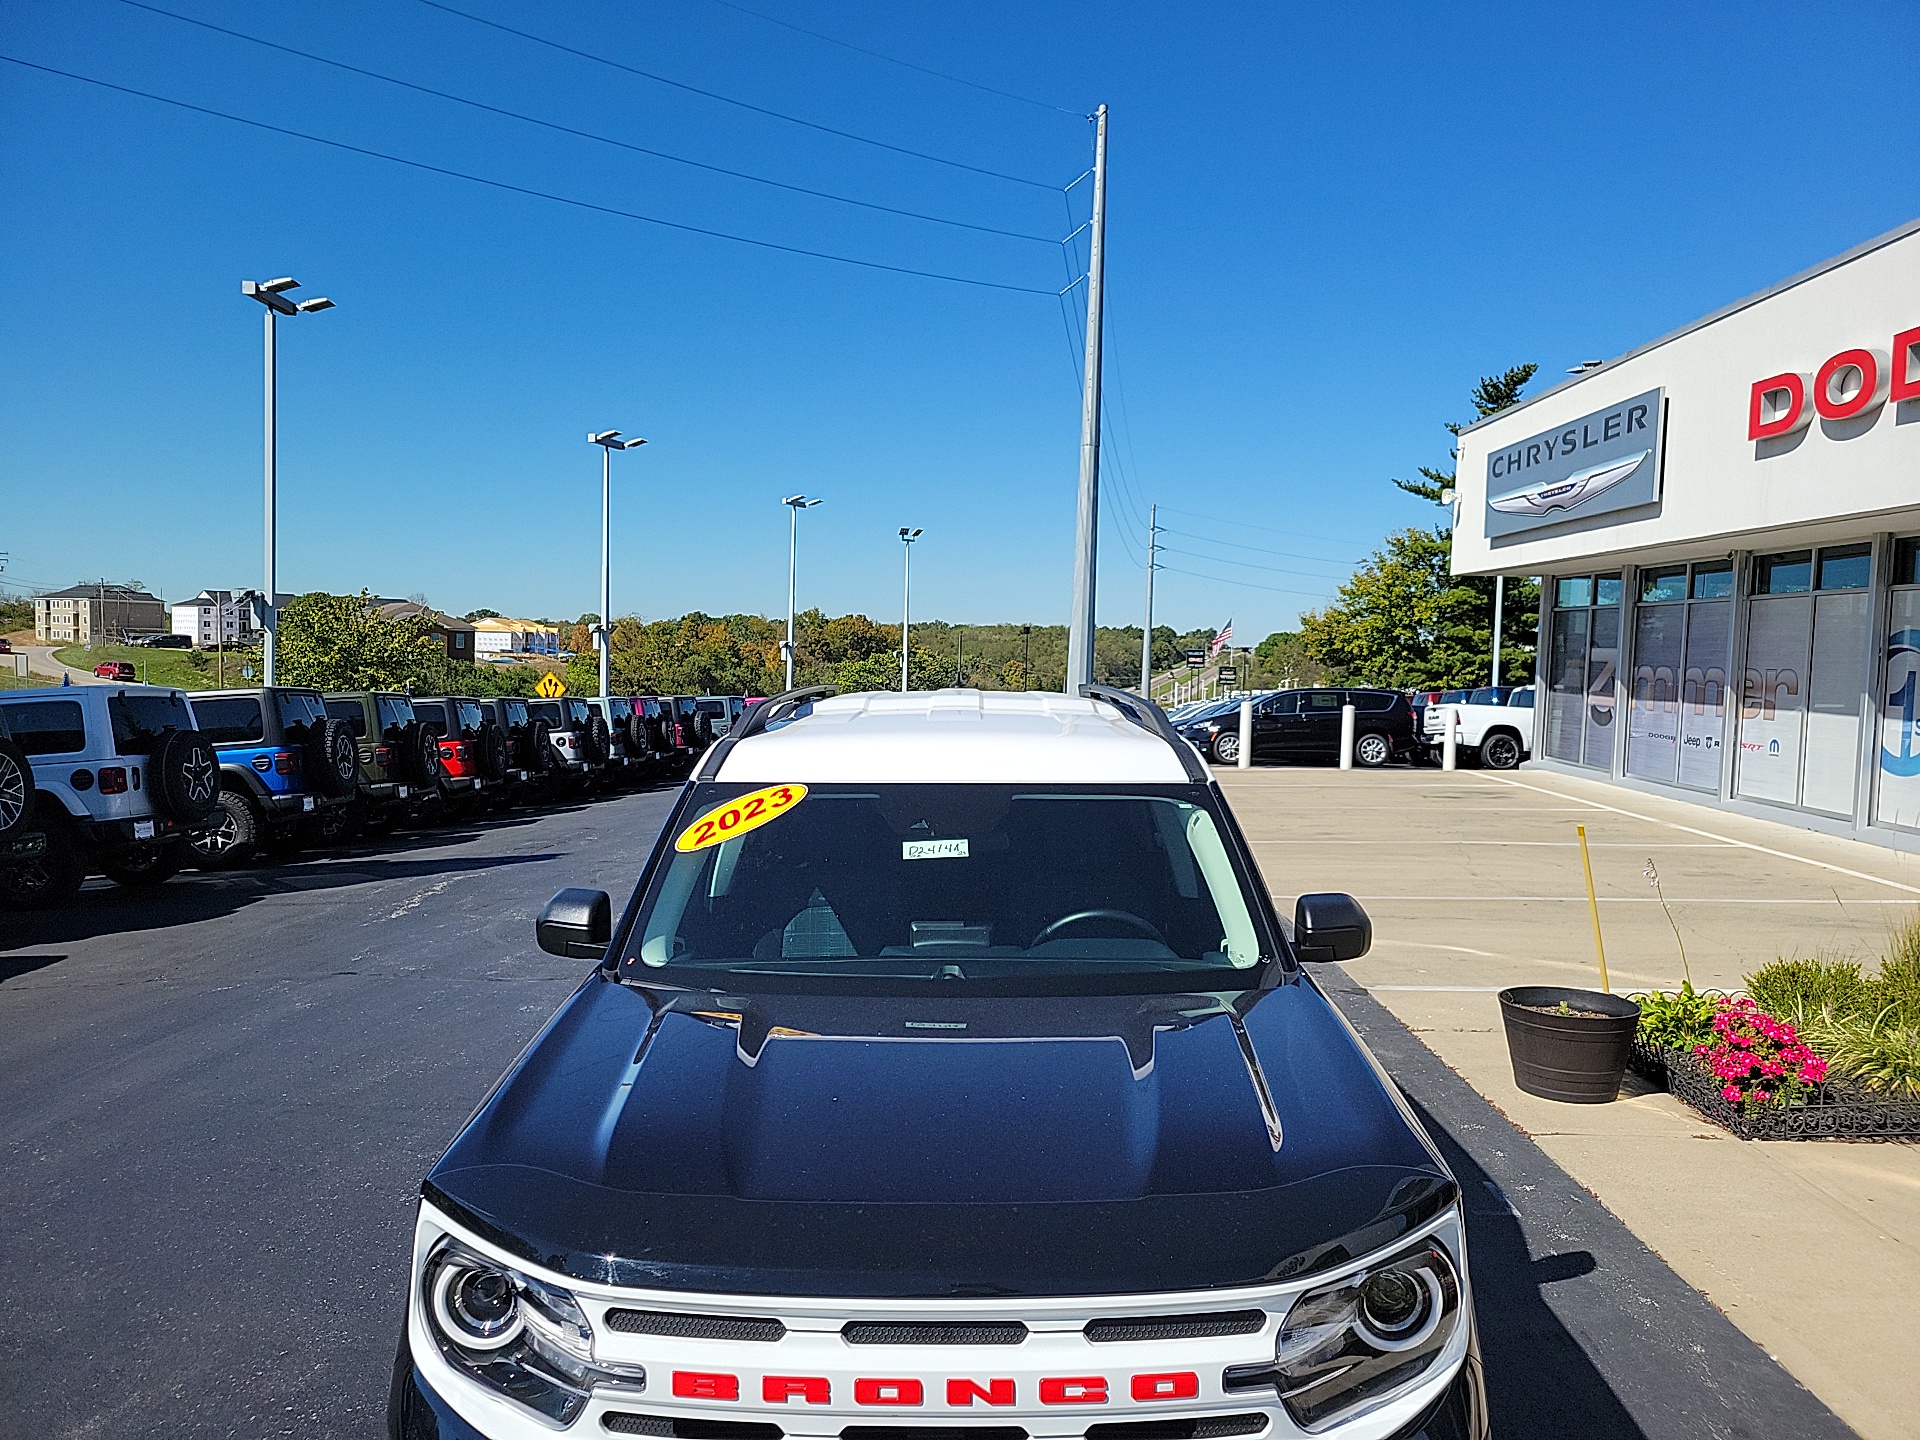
(577, 924)
(1328, 927)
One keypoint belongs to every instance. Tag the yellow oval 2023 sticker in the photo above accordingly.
(737, 817)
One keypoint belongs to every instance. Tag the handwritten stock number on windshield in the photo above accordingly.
(738, 816)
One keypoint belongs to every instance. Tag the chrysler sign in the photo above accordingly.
(1599, 464)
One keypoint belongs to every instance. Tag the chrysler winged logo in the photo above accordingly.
(1572, 492)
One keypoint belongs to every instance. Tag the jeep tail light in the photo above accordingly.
(113, 780)
(285, 762)
(383, 756)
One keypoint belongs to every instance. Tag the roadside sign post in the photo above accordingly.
(551, 686)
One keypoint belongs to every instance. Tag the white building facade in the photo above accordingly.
(1726, 523)
(217, 617)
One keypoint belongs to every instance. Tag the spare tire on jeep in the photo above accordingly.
(16, 787)
(637, 735)
(598, 738)
(332, 760)
(541, 758)
(420, 753)
(493, 751)
(184, 777)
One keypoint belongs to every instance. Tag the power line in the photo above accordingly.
(904, 64)
(1245, 584)
(1248, 564)
(741, 104)
(1274, 529)
(527, 190)
(583, 134)
(1256, 549)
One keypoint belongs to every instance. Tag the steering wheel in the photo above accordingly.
(1124, 917)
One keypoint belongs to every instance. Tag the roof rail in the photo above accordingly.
(757, 718)
(1149, 716)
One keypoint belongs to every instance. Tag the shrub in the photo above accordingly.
(1792, 990)
(1878, 1053)
(1758, 1059)
(1675, 1020)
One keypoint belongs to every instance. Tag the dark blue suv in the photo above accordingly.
(281, 758)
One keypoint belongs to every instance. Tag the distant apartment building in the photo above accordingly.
(81, 614)
(220, 617)
(500, 638)
(450, 630)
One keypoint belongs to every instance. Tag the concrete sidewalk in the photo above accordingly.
(1474, 883)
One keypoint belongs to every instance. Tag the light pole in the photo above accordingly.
(795, 504)
(608, 441)
(273, 295)
(907, 537)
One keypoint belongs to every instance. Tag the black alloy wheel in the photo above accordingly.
(541, 757)
(234, 837)
(50, 877)
(16, 787)
(1372, 750)
(422, 750)
(143, 863)
(333, 758)
(1500, 751)
(184, 777)
(492, 746)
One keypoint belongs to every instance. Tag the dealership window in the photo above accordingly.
(1805, 684)
(1677, 701)
(1583, 653)
(1896, 798)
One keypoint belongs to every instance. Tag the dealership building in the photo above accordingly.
(1726, 526)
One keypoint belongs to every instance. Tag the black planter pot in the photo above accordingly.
(1579, 1059)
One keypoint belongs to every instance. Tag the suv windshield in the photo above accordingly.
(395, 711)
(516, 712)
(1015, 886)
(469, 711)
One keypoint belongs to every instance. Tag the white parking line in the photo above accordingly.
(1709, 835)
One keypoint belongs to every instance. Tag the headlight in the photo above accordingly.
(1356, 1343)
(517, 1336)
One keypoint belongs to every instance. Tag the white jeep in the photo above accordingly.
(121, 777)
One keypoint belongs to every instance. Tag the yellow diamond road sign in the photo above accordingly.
(551, 687)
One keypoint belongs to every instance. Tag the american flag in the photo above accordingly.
(1220, 640)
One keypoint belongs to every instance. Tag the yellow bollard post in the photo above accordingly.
(1593, 908)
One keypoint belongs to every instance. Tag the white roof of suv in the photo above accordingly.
(956, 736)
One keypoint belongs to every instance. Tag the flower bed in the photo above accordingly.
(1832, 1110)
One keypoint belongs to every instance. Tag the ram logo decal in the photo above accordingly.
(1572, 492)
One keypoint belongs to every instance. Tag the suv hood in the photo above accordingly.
(810, 1145)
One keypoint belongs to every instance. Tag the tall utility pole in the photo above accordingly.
(1146, 633)
(1087, 523)
(272, 294)
(907, 537)
(1499, 600)
(608, 441)
(795, 504)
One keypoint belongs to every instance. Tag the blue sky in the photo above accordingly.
(1325, 223)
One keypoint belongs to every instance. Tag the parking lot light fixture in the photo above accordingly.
(795, 504)
(907, 537)
(608, 441)
(272, 295)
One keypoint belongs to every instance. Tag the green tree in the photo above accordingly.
(1405, 621)
(339, 642)
(1282, 659)
(1493, 394)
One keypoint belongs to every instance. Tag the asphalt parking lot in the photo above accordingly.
(219, 1097)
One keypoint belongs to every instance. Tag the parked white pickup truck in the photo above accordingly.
(1496, 726)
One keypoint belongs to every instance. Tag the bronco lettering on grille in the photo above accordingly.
(961, 1391)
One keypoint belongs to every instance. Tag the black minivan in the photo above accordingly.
(1305, 725)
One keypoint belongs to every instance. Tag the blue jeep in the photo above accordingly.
(281, 759)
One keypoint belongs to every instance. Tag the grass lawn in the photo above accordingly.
(182, 669)
(10, 681)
